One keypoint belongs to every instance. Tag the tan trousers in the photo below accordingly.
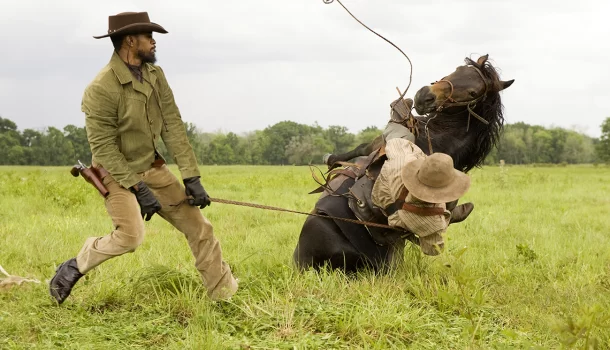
(128, 234)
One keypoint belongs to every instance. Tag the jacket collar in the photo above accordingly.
(122, 73)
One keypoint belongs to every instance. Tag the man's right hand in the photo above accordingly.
(149, 205)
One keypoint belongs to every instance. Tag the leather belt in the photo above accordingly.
(401, 205)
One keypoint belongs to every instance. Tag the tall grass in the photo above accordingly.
(530, 268)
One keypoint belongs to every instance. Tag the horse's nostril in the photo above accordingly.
(429, 99)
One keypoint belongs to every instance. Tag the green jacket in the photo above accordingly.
(125, 118)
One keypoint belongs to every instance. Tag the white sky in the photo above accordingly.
(242, 65)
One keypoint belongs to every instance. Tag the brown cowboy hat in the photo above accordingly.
(131, 23)
(433, 179)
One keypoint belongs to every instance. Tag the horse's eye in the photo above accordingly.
(473, 93)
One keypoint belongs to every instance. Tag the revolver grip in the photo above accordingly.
(75, 171)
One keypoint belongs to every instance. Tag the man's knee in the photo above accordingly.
(130, 236)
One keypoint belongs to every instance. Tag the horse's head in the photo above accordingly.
(466, 86)
(472, 91)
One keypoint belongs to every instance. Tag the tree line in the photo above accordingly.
(291, 143)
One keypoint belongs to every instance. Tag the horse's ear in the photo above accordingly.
(506, 84)
(482, 59)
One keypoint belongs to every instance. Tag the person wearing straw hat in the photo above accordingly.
(413, 189)
(129, 107)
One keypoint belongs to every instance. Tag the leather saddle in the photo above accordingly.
(365, 171)
(361, 203)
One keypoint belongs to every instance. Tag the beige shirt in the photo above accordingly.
(388, 186)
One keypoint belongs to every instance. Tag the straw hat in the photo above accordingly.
(433, 179)
(131, 23)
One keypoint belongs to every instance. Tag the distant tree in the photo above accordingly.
(578, 149)
(11, 151)
(257, 142)
(340, 138)
(77, 137)
(219, 151)
(31, 142)
(366, 135)
(603, 146)
(558, 144)
(7, 125)
(308, 149)
(279, 136)
(300, 149)
(512, 147)
(542, 146)
(289, 142)
(56, 148)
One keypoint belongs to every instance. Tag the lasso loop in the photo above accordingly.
(391, 43)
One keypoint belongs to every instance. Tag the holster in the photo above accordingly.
(92, 175)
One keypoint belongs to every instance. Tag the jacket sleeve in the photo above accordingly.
(175, 137)
(396, 130)
(402, 150)
(101, 123)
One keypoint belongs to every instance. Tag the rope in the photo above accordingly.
(391, 43)
(267, 207)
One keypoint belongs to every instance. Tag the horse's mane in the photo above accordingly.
(481, 138)
(491, 109)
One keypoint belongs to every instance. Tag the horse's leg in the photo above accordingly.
(364, 149)
(321, 242)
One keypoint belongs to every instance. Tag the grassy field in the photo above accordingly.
(530, 268)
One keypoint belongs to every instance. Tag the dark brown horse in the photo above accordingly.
(464, 120)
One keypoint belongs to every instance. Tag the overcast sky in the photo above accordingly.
(242, 65)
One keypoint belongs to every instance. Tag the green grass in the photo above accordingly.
(530, 268)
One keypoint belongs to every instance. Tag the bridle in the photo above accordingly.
(470, 105)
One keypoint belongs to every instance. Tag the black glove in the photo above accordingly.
(195, 189)
(149, 205)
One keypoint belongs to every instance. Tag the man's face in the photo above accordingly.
(145, 47)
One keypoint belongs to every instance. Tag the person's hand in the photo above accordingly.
(149, 205)
(194, 189)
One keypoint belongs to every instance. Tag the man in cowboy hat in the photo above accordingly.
(414, 188)
(129, 106)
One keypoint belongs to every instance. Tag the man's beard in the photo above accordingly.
(147, 57)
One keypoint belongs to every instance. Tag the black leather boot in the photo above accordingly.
(461, 212)
(65, 278)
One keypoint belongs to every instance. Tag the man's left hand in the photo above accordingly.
(197, 192)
